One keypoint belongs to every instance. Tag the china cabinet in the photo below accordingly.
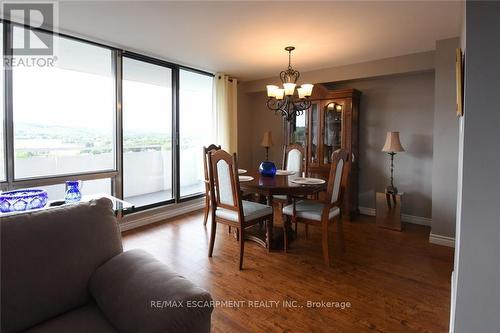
(329, 124)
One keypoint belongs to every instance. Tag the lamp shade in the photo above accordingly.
(289, 88)
(271, 90)
(267, 140)
(392, 143)
(308, 88)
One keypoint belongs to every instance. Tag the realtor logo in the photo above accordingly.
(35, 15)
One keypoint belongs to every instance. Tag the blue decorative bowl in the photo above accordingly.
(267, 169)
(21, 200)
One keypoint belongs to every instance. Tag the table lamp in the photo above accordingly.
(267, 168)
(392, 146)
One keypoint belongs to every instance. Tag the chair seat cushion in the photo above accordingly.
(87, 318)
(251, 211)
(309, 210)
(280, 197)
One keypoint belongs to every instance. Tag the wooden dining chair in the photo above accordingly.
(206, 150)
(326, 211)
(294, 159)
(226, 204)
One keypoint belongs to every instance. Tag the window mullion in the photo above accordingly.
(8, 107)
(117, 182)
(175, 133)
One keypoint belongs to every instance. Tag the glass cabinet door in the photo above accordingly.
(314, 134)
(332, 131)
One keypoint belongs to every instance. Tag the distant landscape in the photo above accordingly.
(39, 140)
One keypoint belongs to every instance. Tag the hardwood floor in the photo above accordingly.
(394, 282)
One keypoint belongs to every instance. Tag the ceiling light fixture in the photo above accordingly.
(284, 100)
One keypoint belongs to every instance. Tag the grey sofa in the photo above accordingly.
(64, 270)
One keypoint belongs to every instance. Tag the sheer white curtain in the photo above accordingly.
(226, 112)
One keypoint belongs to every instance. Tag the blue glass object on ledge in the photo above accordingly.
(267, 168)
(21, 200)
(73, 193)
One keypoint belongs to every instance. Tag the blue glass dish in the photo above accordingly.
(267, 168)
(21, 200)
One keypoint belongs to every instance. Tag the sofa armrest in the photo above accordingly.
(137, 293)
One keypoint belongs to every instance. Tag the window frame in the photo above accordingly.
(174, 69)
(116, 174)
(104, 173)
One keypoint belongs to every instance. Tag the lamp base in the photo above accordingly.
(391, 190)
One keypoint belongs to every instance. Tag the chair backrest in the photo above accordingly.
(337, 180)
(206, 150)
(294, 157)
(224, 182)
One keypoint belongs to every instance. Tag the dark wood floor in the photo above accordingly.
(395, 282)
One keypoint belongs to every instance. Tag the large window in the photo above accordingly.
(126, 124)
(64, 114)
(147, 132)
(195, 128)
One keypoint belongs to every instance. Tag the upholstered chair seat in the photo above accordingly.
(251, 211)
(311, 210)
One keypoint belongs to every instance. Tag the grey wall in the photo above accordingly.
(403, 102)
(477, 268)
(445, 141)
(258, 120)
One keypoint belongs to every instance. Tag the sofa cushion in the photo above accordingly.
(48, 257)
(85, 319)
(137, 293)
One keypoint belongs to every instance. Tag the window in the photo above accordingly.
(195, 128)
(64, 115)
(147, 132)
(63, 121)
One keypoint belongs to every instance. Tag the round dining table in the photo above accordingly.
(272, 186)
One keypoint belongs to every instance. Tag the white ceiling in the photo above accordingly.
(246, 39)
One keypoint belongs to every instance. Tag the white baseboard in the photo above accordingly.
(140, 219)
(441, 240)
(367, 211)
(404, 217)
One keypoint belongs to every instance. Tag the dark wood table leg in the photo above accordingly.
(270, 225)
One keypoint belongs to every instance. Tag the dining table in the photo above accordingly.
(270, 186)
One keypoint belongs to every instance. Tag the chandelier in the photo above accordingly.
(284, 100)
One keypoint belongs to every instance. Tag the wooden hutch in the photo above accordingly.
(329, 124)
